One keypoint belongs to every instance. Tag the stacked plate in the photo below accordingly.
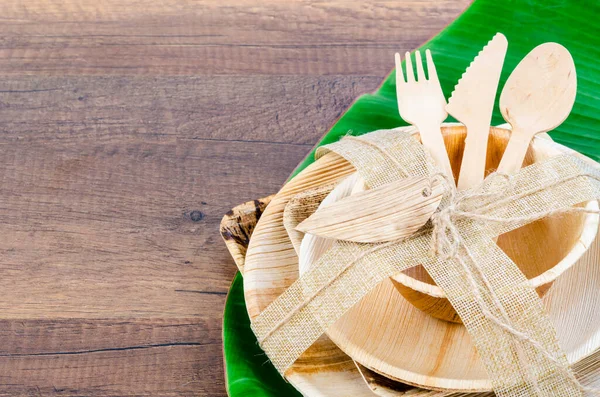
(397, 340)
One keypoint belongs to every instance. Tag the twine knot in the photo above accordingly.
(445, 237)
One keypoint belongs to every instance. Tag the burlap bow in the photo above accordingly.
(499, 308)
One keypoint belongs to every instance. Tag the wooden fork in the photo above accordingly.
(422, 104)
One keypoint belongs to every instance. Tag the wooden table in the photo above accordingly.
(128, 128)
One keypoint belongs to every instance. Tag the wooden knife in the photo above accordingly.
(472, 103)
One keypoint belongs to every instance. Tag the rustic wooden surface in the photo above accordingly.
(127, 130)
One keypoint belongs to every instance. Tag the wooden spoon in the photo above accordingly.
(538, 97)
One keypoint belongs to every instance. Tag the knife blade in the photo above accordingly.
(472, 103)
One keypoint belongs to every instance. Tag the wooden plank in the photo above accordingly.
(125, 230)
(161, 371)
(112, 357)
(208, 37)
(46, 337)
(282, 109)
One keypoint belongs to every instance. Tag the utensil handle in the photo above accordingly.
(512, 159)
(433, 141)
(472, 167)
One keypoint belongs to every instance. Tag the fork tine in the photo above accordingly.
(431, 72)
(399, 73)
(420, 70)
(410, 74)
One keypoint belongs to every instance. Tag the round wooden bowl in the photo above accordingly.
(394, 338)
(543, 250)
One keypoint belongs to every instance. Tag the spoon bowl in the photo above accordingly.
(537, 97)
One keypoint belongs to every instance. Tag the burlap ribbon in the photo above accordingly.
(499, 308)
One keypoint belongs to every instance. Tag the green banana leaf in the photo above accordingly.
(526, 24)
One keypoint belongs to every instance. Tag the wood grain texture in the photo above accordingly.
(270, 109)
(207, 37)
(128, 128)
